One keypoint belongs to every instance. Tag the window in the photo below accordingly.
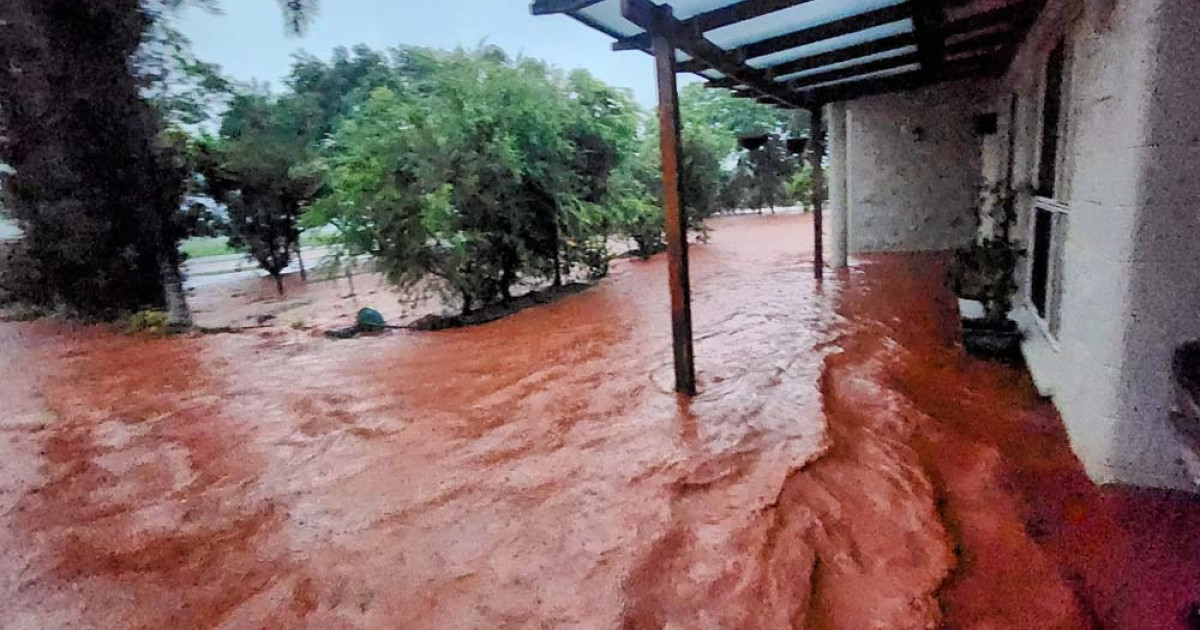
(1051, 119)
(1045, 265)
(1043, 228)
(1050, 211)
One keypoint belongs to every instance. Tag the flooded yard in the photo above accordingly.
(844, 466)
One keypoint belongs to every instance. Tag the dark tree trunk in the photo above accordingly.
(508, 275)
(176, 298)
(557, 259)
(350, 279)
(300, 262)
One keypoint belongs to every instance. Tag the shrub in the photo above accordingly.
(148, 321)
(20, 281)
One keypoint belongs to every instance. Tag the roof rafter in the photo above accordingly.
(658, 20)
(1007, 14)
(879, 65)
(829, 30)
(927, 20)
(849, 53)
(972, 45)
(953, 71)
(717, 18)
(1012, 15)
(932, 51)
(549, 7)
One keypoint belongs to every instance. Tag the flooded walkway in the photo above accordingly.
(843, 467)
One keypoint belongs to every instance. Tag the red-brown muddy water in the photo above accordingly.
(844, 466)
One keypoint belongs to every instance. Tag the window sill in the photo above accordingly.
(1028, 319)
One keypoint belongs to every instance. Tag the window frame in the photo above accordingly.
(1058, 59)
(1049, 317)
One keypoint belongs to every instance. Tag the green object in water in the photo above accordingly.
(369, 320)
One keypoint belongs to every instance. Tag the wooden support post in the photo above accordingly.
(675, 215)
(816, 154)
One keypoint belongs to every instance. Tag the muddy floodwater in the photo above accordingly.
(844, 466)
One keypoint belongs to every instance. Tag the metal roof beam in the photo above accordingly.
(848, 53)
(723, 82)
(658, 20)
(974, 45)
(1012, 16)
(1007, 15)
(927, 20)
(901, 82)
(717, 18)
(549, 7)
(826, 31)
(829, 30)
(987, 19)
(879, 65)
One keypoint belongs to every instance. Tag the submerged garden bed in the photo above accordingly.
(494, 312)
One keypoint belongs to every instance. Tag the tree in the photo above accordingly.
(601, 124)
(258, 168)
(636, 208)
(799, 187)
(771, 167)
(328, 91)
(95, 189)
(718, 119)
(185, 90)
(477, 170)
(703, 175)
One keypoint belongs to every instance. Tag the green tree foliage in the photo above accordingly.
(95, 190)
(186, 91)
(258, 169)
(327, 91)
(704, 176)
(770, 169)
(479, 171)
(713, 120)
(97, 185)
(727, 117)
(635, 205)
(799, 187)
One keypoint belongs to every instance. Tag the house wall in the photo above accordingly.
(912, 165)
(1129, 273)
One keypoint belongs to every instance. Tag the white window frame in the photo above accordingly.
(1051, 322)
(1059, 208)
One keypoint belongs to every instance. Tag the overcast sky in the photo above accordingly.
(249, 42)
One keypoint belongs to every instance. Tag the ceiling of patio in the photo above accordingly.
(803, 53)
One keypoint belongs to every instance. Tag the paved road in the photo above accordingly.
(210, 270)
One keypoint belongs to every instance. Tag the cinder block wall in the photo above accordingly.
(1164, 253)
(913, 167)
(1128, 273)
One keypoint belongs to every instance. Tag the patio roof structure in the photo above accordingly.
(804, 53)
(794, 54)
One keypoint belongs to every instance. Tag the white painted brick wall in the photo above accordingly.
(910, 194)
(1131, 290)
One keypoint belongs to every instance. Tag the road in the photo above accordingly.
(210, 270)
